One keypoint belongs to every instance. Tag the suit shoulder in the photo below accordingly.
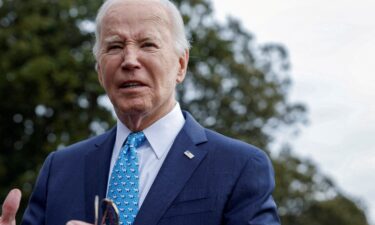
(85, 145)
(222, 144)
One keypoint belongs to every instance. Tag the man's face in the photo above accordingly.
(138, 65)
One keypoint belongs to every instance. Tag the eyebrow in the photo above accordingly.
(149, 38)
(141, 38)
(113, 38)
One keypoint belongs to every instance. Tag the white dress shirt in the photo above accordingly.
(151, 155)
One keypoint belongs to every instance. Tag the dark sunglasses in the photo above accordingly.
(110, 214)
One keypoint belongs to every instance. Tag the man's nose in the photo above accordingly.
(130, 58)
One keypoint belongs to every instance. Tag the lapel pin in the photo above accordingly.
(189, 154)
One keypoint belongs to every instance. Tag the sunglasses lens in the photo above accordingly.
(110, 213)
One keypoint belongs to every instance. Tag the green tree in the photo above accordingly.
(340, 209)
(49, 90)
(241, 89)
(307, 197)
(50, 97)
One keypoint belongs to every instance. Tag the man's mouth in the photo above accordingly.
(132, 85)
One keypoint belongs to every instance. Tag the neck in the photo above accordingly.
(138, 121)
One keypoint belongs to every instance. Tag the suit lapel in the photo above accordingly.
(97, 163)
(175, 172)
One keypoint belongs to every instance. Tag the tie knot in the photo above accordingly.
(135, 139)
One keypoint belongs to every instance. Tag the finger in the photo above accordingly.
(76, 222)
(10, 206)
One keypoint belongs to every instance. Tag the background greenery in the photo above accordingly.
(50, 98)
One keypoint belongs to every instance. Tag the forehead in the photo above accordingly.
(135, 14)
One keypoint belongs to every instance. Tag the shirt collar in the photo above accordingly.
(160, 135)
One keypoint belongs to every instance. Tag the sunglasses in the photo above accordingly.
(110, 214)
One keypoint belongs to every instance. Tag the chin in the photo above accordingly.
(133, 109)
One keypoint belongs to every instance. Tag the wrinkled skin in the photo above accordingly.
(138, 64)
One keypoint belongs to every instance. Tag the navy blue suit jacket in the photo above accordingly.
(227, 182)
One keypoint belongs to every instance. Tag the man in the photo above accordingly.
(158, 165)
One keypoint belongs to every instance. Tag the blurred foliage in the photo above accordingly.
(307, 197)
(49, 89)
(50, 98)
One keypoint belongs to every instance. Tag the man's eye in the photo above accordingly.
(149, 45)
(114, 47)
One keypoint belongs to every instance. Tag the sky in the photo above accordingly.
(331, 47)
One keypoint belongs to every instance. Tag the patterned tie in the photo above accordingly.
(124, 183)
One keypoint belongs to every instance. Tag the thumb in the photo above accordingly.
(10, 206)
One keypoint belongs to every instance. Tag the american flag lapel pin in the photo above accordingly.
(189, 154)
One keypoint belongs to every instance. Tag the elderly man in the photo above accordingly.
(158, 165)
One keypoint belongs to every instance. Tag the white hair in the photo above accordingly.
(175, 18)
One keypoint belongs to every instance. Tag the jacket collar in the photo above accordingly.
(96, 166)
(174, 173)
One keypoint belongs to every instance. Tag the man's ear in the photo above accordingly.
(99, 71)
(183, 61)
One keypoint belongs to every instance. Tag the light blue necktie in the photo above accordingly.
(123, 186)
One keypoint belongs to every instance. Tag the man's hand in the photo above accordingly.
(10, 207)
